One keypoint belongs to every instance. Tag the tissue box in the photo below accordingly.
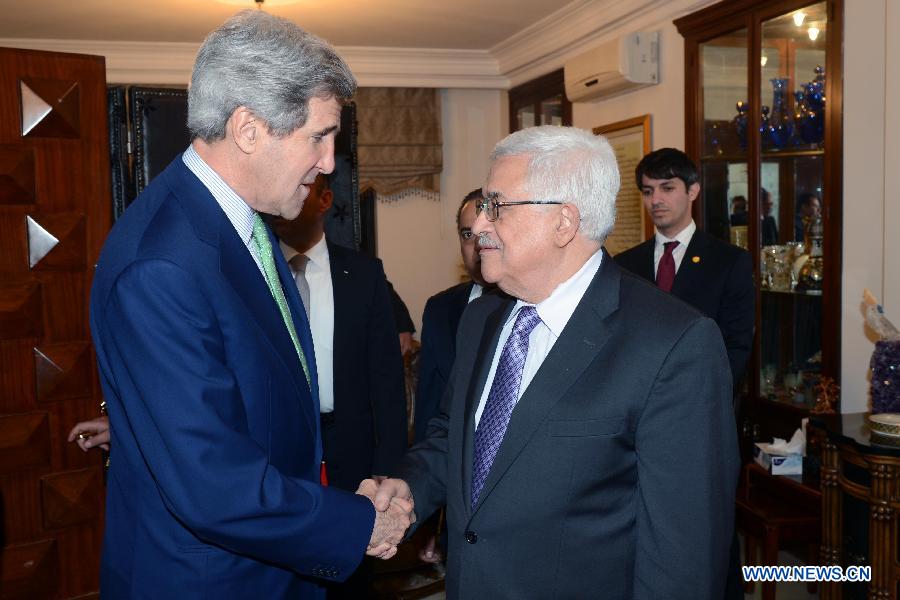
(791, 464)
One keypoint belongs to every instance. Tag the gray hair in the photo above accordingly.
(569, 165)
(267, 64)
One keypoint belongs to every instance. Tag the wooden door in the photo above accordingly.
(55, 211)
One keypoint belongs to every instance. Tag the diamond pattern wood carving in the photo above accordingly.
(50, 108)
(71, 498)
(20, 310)
(16, 174)
(56, 241)
(31, 570)
(24, 441)
(62, 371)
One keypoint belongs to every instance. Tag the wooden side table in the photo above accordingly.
(859, 472)
(771, 510)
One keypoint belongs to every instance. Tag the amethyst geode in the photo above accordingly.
(885, 367)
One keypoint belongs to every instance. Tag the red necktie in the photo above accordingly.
(665, 274)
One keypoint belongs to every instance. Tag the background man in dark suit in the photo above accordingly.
(362, 399)
(361, 390)
(441, 318)
(439, 323)
(768, 227)
(586, 445)
(713, 276)
(808, 206)
(204, 347)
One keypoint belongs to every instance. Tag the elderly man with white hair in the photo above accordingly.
(586, 445)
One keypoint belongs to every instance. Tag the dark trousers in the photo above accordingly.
(734, 582)
(358, 585)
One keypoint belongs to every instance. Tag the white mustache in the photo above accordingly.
(484, 241)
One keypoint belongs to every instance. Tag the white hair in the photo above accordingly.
(569, 165)
(267, 64)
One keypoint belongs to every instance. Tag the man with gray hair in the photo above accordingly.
(586, 445)
(204, 348)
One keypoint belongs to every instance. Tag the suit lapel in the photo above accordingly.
(579, 344)
(239, 268)
(343, 283)
(689, 275)
(648, 270)
(240, 271)
(486, 350)
(301, 326)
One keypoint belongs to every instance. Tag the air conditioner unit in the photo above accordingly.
(627, 63)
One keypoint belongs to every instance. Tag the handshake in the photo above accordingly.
(394, 514)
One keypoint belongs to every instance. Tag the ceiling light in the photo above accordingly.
(798, 18)
(763, 60)
(813, 33)
(259, 3)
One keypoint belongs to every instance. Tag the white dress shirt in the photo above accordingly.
(238, 212)
(321, 316)
(555, 311)
(683, 238)
(475, 292)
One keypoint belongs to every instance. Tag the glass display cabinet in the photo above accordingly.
(763, 121)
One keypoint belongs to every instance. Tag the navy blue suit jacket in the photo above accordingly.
(439, 323)
(213, 482)
(369, 393)
(716, 278)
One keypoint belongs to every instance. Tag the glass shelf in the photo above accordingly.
(765, 155)
(793, 292)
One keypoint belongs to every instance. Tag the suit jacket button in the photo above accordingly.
(471, 537)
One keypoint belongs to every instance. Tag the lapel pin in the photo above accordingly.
(695, 259)
(346, 272)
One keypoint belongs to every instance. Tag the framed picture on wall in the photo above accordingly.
(630, 140)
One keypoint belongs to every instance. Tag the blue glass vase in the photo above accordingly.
(812, 124)
(781, 121)
(765, 135)
(815, 91)
(739, 124)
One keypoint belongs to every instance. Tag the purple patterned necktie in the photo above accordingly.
(502, 398)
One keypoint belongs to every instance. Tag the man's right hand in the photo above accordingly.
(90, 434)
(394, 514)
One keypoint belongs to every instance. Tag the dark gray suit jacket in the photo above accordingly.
(617, 473)
(716, 278)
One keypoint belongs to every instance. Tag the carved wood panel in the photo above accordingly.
(55, 211)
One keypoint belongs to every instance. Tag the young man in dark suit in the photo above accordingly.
(713, 276)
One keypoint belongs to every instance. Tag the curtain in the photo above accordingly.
(399, 141)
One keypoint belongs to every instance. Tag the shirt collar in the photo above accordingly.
(237, 211)
(317, 255)
(556, 310)
(683, 237)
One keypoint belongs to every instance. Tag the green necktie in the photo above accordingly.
(264, 248)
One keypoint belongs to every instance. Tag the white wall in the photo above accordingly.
(871, 248)
(416, 236)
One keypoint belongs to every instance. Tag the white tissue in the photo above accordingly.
(780, 447)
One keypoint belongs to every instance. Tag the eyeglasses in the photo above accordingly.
(490, 206)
